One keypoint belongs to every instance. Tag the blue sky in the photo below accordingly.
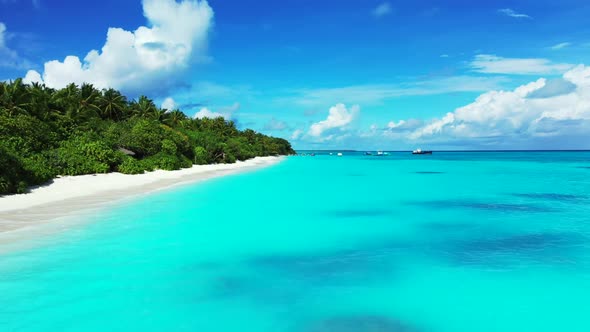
(328, 74)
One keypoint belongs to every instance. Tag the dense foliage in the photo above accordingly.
(80, 130)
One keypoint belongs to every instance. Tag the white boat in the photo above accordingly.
(339, 154)
(420, 151)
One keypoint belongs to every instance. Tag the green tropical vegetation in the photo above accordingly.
(45, 133)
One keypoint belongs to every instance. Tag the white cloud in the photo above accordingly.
(207, 113)
(373, 131)
(493, 64)
(400, 129)
(32, 77)
(444, 55)
(275, 124)
(297, 134)
(560, 46)
(552, 88)
(512, 13)
(36, 3)
(378, 93)
(146, 58)
(382, 10)
(2, 38)
(230, 109)
(225, 112)
(169, 104)
(393, 125)
(511, 116)
(338, 118)
(9, 58)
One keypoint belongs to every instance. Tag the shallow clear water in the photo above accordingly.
(448, 242)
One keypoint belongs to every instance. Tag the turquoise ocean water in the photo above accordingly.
(456, 242)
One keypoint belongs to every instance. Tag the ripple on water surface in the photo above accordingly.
(550, 248)
(484, 206)
(552, 196)
(359, 323)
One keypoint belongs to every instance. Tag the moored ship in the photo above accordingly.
(420, 151)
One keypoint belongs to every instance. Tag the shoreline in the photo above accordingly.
(69, 195)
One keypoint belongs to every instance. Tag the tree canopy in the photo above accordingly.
(78, 130)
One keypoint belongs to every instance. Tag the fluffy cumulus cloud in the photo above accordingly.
(32, 76)
(147, 58)
(225, 112)
(552, 88)
(493, 64)
(339, 117)
(207, 113)
(169, 104)
(526, 113)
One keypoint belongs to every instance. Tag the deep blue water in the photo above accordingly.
(494, 241)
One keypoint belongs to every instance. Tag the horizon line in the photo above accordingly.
(515, 150)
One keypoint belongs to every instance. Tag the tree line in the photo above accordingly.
(45, 133)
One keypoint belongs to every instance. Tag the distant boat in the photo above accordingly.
(331, 153)
(381, 153)
(339, 154)
(368, 154)
(419, 151)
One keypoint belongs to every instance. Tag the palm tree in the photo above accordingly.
(40, 101)
(66, 100)
(159, 114)
(230, 128)
(88, 101)
(77, 104)
(250, 135)
(175, 118)
(14, 97)
(143, 107)
(112, 104)
(220, 125)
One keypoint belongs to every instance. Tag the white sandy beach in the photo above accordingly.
(70, 194)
